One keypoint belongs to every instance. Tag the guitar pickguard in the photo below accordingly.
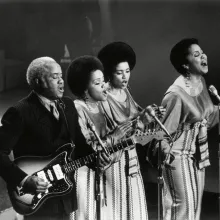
(51, 170)
(54, 175)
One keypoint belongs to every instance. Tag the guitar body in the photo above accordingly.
(54, 169)
(51, 168)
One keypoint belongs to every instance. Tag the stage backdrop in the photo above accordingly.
(67, 29)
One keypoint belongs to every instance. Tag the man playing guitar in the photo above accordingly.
(37, 126)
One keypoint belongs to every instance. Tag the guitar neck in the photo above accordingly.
(74, 165)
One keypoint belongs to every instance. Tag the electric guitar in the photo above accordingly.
(54, 169)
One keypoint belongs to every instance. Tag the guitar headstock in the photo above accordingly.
(145, 137)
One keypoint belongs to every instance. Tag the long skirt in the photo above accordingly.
(183, 189)
(125, 195)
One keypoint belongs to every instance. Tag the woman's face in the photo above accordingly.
(121, 76)
(96, 88)
(197, 60)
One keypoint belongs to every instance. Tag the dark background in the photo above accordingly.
(34, 28)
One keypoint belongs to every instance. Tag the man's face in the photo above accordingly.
(52, 82)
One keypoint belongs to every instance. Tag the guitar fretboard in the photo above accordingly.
(74, 165)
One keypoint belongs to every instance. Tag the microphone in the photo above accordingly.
(151, 112)
(214, 92)
(92, 126)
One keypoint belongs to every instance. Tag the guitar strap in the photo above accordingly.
(130, 155)
(61, 108)
(108, 114)
(128, 89)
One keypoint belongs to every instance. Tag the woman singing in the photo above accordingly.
(86, 81)
(189, 114)
(119, 59)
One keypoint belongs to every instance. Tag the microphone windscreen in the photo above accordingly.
(150, 111)
(213, 90)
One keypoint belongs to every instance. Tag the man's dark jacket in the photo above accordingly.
(28, 128)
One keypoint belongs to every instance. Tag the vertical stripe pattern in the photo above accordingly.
(125, 194)
(184, 181)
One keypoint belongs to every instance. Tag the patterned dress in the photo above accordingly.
(117, 193)
(130, 203)
(187, 119)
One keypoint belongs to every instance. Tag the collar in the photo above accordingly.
(45, 101)
(182, 82)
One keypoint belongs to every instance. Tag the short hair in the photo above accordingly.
(79, 71)
(37, 68)
(179, 53)
(114, 53)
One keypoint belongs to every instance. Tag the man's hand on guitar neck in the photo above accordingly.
(34, 184)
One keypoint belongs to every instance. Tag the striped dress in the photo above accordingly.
(186, 117)
(132, 200)
(125, 196)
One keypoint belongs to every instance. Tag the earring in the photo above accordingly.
(86, 100)
(188, 76)
(186, 70)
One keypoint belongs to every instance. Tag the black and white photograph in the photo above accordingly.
(109, 109)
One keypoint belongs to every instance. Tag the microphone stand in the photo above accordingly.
(98, 188)
(160, 182)
(219, 148)
(214, 92)
(160, 163)
(160, 179)
(98, 174)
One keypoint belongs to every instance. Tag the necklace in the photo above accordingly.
(193, 89)
(119, 94)
(92, 106)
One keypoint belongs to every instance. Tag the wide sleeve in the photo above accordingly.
(10, 131)
(108, 140)
(173, 105)
(213, 117)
